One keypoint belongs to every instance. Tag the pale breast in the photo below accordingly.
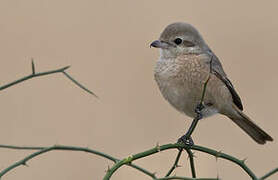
(181, 82)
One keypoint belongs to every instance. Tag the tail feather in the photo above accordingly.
(246, 124)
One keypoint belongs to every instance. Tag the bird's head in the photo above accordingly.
(180, 39)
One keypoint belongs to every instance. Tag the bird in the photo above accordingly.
(188, 70)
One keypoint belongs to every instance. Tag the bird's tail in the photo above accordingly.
(246, 124)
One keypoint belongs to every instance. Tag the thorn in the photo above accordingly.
(157, 147)
(218, 155)
(193, 154)
(243, 160)
(128, 160)
(55, 145)
(108, 169)
(33, 66)
(178, 166)
(65, 68)
(24, 164)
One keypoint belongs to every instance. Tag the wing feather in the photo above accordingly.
(217, 69)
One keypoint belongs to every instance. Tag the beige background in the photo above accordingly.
(107, 44)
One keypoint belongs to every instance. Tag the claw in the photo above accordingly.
(199, 108)
(188, 141)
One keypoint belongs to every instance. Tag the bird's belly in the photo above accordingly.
(185, 96)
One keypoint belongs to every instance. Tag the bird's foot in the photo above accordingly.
(188, 141)
(199, 108)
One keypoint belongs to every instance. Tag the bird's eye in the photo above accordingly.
(178, 41)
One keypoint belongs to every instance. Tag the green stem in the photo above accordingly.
(138, 156)
(34, 74)
(185, 178)
(218, 154)
(60, 147)
(175, 165)
(178, 145)
(269, 174)
(127, 161)
(191, 160)
(78, 84)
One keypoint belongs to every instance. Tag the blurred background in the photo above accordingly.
(107, 45)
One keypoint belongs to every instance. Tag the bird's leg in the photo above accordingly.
(187, 139)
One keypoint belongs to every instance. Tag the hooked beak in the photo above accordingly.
(159, 44)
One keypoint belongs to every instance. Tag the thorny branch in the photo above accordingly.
(175, 165)
(212, 152)
(42, 150)
(34, 74)
(129, 160)
(191, 160)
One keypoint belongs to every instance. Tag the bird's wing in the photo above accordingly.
(217, 69)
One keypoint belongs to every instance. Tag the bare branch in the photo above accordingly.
(269, 174)
(34, 74)
(79, 85)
